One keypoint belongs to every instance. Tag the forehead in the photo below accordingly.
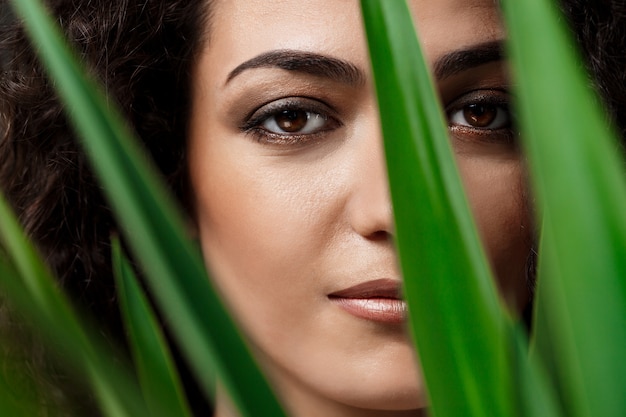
(243, 29)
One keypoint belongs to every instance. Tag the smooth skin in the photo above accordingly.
(290, 188)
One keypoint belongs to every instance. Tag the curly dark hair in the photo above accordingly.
(141, 51)
(599, 27)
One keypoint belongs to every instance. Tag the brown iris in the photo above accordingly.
(291, 120)
(480, 115)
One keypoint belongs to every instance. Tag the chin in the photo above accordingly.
(399, 392)
(388, 379)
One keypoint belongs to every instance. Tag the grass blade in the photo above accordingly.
(153, 227)
(18, 395)
(13, 401)
(458, 322)
(535, 396)
(158, 379)
(35, 294)
(579, 181)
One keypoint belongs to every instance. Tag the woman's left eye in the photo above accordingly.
(481, 116)
(481, 110)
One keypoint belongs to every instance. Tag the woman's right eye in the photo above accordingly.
(290, 121)
(295, 122)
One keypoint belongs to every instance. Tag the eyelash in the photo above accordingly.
(489, 100)
(315, 111)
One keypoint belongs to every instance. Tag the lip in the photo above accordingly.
(378, 300)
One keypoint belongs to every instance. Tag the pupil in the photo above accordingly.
(480, 115)
(292, 120)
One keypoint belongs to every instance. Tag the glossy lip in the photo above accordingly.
(378, 300)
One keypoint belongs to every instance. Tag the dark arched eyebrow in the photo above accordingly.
(306, 62)
(463, 59)
(342, 71)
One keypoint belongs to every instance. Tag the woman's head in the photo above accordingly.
(262, 115)
(290, 190)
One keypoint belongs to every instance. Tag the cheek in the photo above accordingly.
(496, 192)
(264, 227)
(259, 213)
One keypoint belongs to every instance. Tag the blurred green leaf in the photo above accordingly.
(154, 229)
(456, 316)
(14, 402)
(31, 288)
(17, 393)
(534, 395)
(578, 176)
(157, 376)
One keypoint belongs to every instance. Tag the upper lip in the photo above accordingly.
(378, 288)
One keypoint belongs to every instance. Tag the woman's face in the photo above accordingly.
(291, 196)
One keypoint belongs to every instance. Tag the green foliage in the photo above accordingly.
(578, 178)
(160, 383)
(34, 291)
(440, 252)
(475, 358)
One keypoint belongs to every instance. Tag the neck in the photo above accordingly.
(298, 408)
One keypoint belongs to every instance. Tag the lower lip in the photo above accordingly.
(382, 310)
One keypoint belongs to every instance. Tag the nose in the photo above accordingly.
(369, 208)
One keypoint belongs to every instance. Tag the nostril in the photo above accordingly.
(370, 213)
(379, 235)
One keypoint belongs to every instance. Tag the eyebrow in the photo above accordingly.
(342, 71)
(305, 62)
(463, 59)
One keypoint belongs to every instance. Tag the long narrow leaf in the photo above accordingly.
(175, 272)
(18, 396)
(13, 401)
(34, 292)
(579, 180)
(456, 316)
(159, 381)
(535, 396)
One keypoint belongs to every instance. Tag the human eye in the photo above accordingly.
(293, 120)
(483, 115)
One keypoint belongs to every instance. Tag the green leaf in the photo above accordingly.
(578, 176)
(18, 395)
(456, 316)
(157, 376)
(154, 229)
(33, 291)
(534, 395)
(14, 402)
